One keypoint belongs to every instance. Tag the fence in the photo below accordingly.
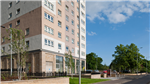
(48, 74)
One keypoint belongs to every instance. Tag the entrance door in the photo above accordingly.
(49, 66)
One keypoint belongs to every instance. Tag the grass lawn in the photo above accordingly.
(85, 80)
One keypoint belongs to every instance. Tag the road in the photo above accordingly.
(140, 79)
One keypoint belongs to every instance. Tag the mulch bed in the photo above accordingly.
(13, 78)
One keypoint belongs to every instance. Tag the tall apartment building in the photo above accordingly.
(51, 29)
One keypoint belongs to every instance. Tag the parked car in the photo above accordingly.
(96, 70)
(89, 70)
(105, 71)
(126, 71)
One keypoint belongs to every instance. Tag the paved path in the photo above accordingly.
(140, 79)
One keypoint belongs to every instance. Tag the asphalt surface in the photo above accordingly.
(140, 79)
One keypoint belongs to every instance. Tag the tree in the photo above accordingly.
(93, 61)
(69, 61)
(126, 57)
(19, 47)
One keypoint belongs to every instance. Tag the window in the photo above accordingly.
(52, 7)
(72, 50)
(49, 43)
(3, 49)
(72, 3)
(27, 31)
(18, 22)
(46, 42)
(72, 31)
(83, 65)
(18, 11)
(83, 14)
(72, 12)
(72, 22)
(78, 52)
(67, 48)
(27, 43)
(83, 38)
(48, 17)
(59, 12)
(67, 38)
(77, 9)
(78, 26)
(59, 2)
(59, 46)
(82, 22)
(67, 28)
(83, 46)
(83, 30)
(17, 1)
(77, 34)
(10, 25)
(59, 23)
(10, 15)
(49, 5)
(49, 30)
(45, 2)
(59, 64)
(72, 41)
(3, 39)
(78, 18)
(59, 35)
(83, 53)
(10, 4)
(82, 6)
(67, 18)
(78, 43)
(67, 8)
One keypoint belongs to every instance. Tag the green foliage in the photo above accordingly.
(126, 58)
(93, 61)
(19, 47)
(3, 77)
(69, 60)
(85, 80)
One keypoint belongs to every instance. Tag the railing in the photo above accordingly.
(48, 74)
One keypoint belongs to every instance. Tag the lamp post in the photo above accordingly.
(137, 60)
(79, 46)
(11, 49)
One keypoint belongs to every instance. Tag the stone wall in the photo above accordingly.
(61, 80)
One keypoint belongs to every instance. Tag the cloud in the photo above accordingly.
(91, 33)
(116, 11)
(148, 30)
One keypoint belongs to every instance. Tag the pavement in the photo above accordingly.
(140, 79)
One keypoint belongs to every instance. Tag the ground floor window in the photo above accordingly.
(77, 66)
(66, 65)
(83, 65)
(73, 69)
(59, 64)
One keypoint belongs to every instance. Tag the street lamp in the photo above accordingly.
(79, 45)
(137, 60)
(11, 49)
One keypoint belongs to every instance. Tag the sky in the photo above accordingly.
(110, 23)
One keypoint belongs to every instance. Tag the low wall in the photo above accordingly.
(136, 74)
(95, 76)
(61, 80)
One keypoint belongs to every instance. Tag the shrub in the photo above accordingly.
(3, 77)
